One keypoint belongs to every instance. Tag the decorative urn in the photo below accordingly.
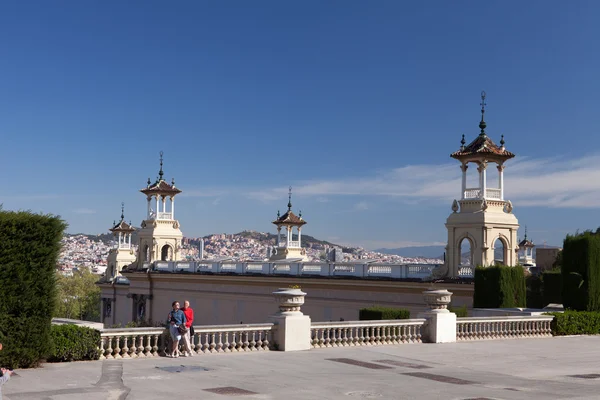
(289, 299)
(437, 299)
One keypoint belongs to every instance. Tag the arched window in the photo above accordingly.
(500, 252)
(166, 253)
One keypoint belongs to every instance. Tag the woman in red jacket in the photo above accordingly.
(189, 320)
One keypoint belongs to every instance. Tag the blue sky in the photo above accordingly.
(356, 104)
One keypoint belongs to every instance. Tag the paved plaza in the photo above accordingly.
(548, 368)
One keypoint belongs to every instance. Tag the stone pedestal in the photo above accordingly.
(441, 323)
(293, 327)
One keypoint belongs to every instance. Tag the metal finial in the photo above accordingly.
(502, 140)
(122, 211)
(278, 214)
(290, 199)
(172, 181)
(160, 173)
(525, 232)
(300, 214)
(482, 124)
(462, 142)
(149, 182)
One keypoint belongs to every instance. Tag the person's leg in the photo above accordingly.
(187, 348)
(175, 337)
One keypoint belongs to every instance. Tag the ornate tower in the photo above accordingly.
(526, 251)
(286, 247)
(482, 215)
(122, 254)
(160, 236)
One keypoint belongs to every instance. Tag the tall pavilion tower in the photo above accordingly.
(482, 215)
(160, 236)
(526, 250)
(122, 254)
(286, 247)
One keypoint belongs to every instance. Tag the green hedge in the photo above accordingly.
(74, 343)
(576, 323)
(29, 249)
(552, 287)
(499, 287)
(378, 313)
(581, 272)
(460, 312)
(535, 298)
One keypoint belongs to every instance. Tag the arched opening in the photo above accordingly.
(466, 252)
(500, 252)
(146, 253)
(166, 253)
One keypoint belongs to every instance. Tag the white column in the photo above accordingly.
(501, 181)
(129, 240)
(289, 234)
(464, 167)
(120, 239)
(278, 236)
(164, 204)
(157, 205)
(299, 237)
(172, 207)
(149, 206)
(482, 179)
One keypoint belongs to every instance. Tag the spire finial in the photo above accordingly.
(525, 232)
(149, 182)
(300, 214)
(278, 214)
(462, 142)
(160, 173)
(482, 124)
(290, 199)
(502, 140)
(122, 211)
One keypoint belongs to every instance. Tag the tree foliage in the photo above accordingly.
(78, 297)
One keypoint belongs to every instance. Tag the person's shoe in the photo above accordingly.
(192, 354)
(184, 355)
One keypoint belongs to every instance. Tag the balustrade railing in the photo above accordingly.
(125, 246)
(466, 271)
(472, 193)
(294, 243)
(165, 215)
(152, 342)
(365, 333)
(495, 194)
(488, 328)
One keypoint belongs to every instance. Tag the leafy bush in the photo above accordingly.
(552, 287)
(29, 249)
(78, 297)
(74, 343)
(460, 312)
(581, 272)
(576, 323)
(499, 287)
(379, 312)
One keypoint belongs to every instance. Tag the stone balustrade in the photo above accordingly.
(291, 330)
(152, 342)
(488, 328)
(365, 333)
(305, 269)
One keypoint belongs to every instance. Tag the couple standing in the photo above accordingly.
(180, 324)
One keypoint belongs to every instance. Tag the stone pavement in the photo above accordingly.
(547, 368)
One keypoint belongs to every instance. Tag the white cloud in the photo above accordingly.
(383, 244)
(528, 181)
(84, 211)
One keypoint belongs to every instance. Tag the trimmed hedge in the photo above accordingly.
(74, 343)
(576, 323)
(581, 272)
(461, 312)
(535, 298)
(499, 287)
(378, 313)
(29, 249)
(552, 287)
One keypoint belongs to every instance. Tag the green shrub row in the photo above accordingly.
(576, 323)
(581, 272)
(499, 287)
(461, 312)
(29, 249)
(552, 287)
(74, 343)
(379, 313)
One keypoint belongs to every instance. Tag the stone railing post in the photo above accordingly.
(293, 327)
(440, 326)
